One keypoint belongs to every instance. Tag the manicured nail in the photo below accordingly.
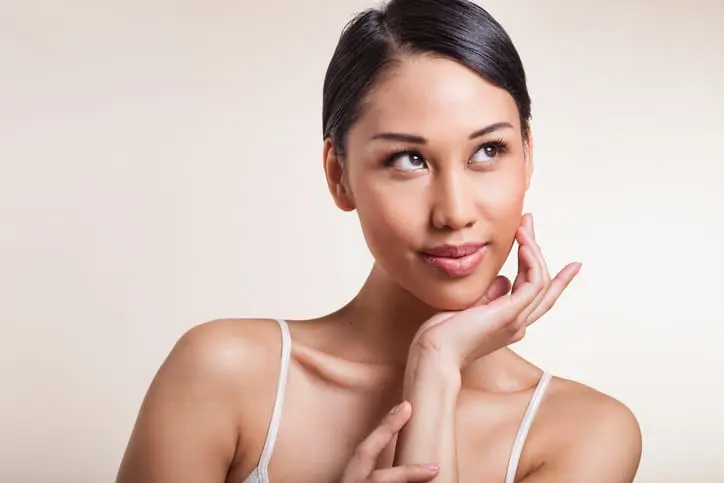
(432, 467)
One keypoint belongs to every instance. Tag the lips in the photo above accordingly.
(456, 260)
(454, 251)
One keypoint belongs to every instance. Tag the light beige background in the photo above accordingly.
(160, 167)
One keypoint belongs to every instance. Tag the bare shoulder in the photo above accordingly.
(586, 435)
(583, 403)
(226, 348)
(231, 361)
(225, 355)
(195, 400)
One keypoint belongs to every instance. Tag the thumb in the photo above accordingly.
(498, 287)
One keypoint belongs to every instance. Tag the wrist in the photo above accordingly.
(429, 353)
(431, 369)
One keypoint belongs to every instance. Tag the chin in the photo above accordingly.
(452, 296)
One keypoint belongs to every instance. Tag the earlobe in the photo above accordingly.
(343, 200)
(336, 183)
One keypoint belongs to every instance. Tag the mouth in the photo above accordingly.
(456, 261)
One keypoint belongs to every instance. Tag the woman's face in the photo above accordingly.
(437, 170)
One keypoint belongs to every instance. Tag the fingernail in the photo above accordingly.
(430, 467)
(397, 408)
(576, 268)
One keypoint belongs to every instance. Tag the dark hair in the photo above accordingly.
(376, 39)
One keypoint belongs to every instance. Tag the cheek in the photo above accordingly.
(390, 216)
(502, 198)
(501, 204)
(503, 190)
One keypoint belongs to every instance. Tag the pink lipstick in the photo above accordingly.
(456, 260)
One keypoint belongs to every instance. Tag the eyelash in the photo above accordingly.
(499, 144)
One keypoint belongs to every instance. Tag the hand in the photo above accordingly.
(361, 468)
(499, 318)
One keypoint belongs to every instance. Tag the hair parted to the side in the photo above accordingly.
(374, 40)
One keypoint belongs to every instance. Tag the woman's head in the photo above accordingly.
(426, 132)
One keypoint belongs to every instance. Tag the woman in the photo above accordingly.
(426, 127)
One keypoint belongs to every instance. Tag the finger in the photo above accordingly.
(531, 225)
(404, 474)
(555, 290)
(527, 239)
(510, 307)
(365, 456)
(520, 276)
(530, 240)
(496, 313)
(525, 225)
(502, 314)
(538, 280)
(526, 236)
(499, 287)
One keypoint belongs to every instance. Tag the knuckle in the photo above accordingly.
(546, 305)
(373, 478)
(518, 336)
(428, 343)
(515, 325)
(376, 476)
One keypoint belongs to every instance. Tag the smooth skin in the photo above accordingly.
(433, 347)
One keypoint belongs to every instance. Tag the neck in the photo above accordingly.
(386, 317)
(382, 320)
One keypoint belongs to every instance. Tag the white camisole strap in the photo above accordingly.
(260, 473)
(527, 422)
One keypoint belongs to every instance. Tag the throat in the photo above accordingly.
(383, 318)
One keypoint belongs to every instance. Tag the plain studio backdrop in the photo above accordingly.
(161, 167)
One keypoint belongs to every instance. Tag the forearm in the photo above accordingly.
(432, 388)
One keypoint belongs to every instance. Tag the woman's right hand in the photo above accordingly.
(361, 468)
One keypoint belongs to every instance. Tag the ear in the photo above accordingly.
(336, 175)
(528, 153)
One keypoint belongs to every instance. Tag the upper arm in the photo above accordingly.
(607, 450)
(186, 428)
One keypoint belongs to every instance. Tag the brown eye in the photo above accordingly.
(407, 161)
(488, 152)
(491, 151)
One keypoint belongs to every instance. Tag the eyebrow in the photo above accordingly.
(415, 139)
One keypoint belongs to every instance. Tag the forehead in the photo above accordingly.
(435, 95)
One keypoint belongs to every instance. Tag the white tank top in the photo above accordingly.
(260, 474)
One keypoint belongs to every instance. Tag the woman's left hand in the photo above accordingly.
(499, 318)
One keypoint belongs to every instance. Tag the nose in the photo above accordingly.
(454, 204)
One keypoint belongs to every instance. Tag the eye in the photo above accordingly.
(489, 151)
(406, 161)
